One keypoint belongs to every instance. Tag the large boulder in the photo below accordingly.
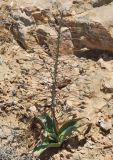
(32, 27)
(94, 29)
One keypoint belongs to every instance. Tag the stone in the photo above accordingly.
(104, 65)
(40, 15)
(26, 17)
(107, 85)
(33, 109)
(4, 132)
(47, 38)
(21, 17)
(105, 125)
(93, 29)
(21, 27)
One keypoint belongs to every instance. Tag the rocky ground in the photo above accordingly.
(85, 77)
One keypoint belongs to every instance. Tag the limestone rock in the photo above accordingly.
(40, 15)
(33, 109)
(104, 65)
(47, 38)
(105, 125)
(107, 85)
(22, 28)
(93, 29)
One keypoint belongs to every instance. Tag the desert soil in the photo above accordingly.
(85, 89)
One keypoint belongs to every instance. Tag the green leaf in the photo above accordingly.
(46, 122)
(55, 145)
(63, 135)
(68, 124)
(55, 125)
(53, 136)
(41, 147)
(67, 127)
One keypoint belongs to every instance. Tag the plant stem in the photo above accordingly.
(55, 71)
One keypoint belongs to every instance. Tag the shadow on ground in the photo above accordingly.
(73, 143)
(95, 55)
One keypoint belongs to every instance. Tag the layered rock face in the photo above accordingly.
(90, 27)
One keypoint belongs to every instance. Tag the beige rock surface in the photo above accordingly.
(94, 29)
(85, 82)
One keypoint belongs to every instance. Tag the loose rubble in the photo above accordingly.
(85, 83)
